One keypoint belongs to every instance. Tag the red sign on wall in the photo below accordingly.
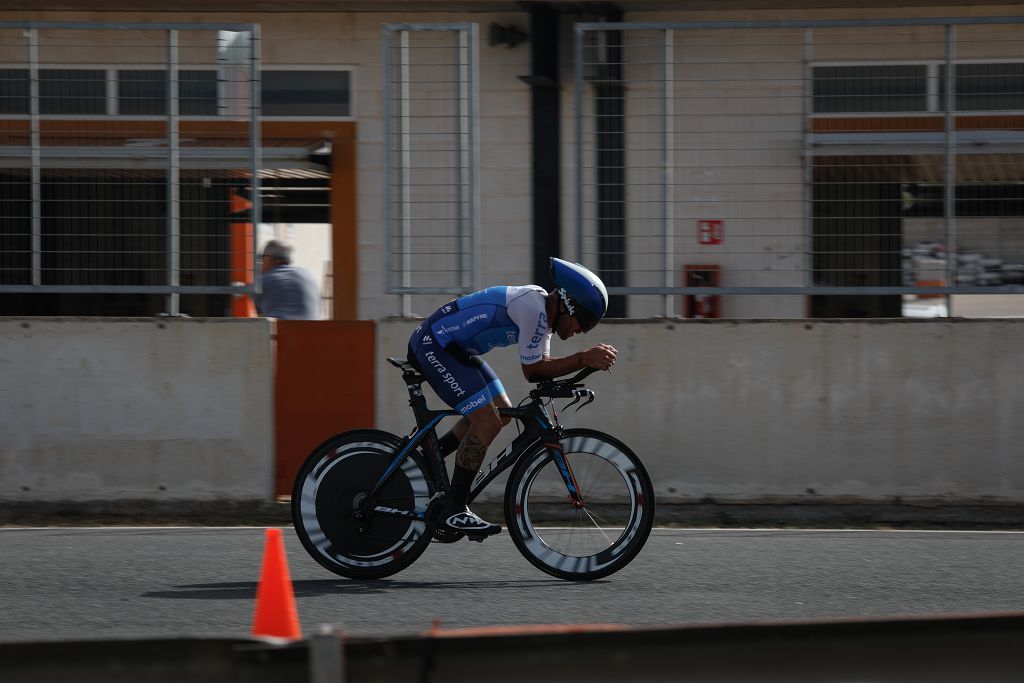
(710, 232)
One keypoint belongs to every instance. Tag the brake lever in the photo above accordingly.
(575, 400)
(590, 399)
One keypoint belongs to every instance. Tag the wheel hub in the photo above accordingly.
(359, 506)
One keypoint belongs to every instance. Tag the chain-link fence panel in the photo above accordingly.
(128, 159)
(431, 150)
(806, 158)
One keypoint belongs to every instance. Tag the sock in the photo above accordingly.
(461, 480)
(447, 444)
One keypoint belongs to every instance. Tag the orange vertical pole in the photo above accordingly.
(242, 248)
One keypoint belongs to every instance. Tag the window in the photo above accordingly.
(14, 90)
(973, 200)
(997, 86)
(306, 93)
(143, 92)
(877, 88)
(197, 92)
(73, 91)
(988, 87)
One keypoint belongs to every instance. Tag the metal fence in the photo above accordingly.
(431, 152)
(801, 157)
(129, 158)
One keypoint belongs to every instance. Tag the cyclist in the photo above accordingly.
(447, 346)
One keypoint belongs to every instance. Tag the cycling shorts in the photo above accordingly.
(463, 381)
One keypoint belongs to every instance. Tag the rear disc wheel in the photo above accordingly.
(335, 517)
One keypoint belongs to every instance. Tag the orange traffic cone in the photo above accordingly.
(276, 616)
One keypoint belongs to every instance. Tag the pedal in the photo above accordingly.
(479, 538)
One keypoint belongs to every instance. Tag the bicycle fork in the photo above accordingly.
(554, 445)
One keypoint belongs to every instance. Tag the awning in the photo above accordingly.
(888, 143)
(153, 154)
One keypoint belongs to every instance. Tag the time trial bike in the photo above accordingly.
(578, 503)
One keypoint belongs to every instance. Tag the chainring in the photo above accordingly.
(439, 534)
(445, 536)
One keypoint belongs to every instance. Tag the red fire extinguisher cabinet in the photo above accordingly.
(701, 305)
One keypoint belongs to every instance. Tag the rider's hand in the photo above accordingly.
(601, 357)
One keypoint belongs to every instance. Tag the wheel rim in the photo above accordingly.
(328, 500)
(574, 540)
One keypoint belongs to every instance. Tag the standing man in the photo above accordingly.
(289, 292)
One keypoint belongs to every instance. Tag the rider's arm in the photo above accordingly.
(601, 357)
(528, 312)
(549, 368)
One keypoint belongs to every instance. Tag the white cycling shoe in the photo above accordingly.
(466, 522)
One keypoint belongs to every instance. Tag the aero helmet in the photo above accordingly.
(583, 293)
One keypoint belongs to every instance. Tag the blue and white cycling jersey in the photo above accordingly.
(496, 316)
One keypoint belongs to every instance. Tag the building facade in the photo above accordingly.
(800, 160)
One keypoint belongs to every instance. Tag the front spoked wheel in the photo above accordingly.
(587, 539)
(345, 529)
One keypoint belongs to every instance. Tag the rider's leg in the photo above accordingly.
(469, 385)
(484, 425)
(450, 441)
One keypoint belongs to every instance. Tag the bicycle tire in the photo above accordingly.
(326, 493)
(589, 543)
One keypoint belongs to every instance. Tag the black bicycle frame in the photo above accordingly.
(537, 426)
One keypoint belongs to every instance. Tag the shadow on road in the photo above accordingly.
(246, 590)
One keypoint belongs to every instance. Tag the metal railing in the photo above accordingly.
(801, 157)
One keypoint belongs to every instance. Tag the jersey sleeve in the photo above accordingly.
(527, 310)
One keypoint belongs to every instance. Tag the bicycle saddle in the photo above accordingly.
(408, 370)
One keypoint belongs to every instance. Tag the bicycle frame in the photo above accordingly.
(538, 425)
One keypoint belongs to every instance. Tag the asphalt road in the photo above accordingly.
(89, 583)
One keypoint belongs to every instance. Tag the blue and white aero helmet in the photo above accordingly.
(583, 293)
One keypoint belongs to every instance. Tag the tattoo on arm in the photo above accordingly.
(471, 453)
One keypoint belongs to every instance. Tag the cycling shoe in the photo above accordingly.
(466, 522)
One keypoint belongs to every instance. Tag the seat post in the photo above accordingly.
(413, 380)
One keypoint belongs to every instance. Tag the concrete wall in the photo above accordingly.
(110, 410)
(916, 411)
(797, 411)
